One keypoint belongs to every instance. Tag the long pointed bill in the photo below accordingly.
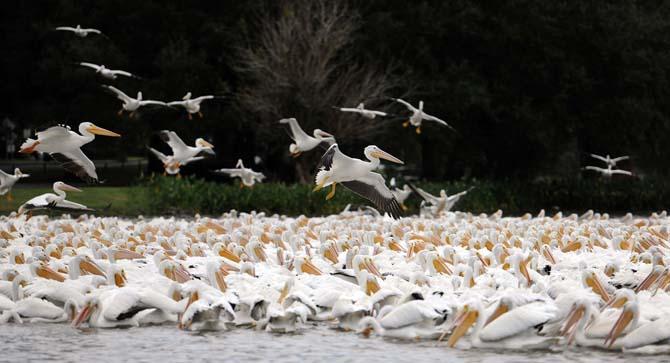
(500, 310)
(103, 132)
(386, 156)
(371, 286)
(309, 268)
(83, 316)
(91, 267)
(225, 253)
(220, 281)
(524, 271)
(594, 283)
(50, 274)
(206, 144)
(624, 320)
(370, 266)
(441, 266)
(462, 325)
(573, 318)
(649, 280)
(615, 303)
(69, 188)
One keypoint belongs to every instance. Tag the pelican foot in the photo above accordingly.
(418, 130)
(403, 206)
(332, 192)
(200, 114)
(405, 124)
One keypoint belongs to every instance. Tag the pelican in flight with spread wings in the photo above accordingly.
(442, 203)
(247, 176)
(182, 153)
(7, 181)
(303, 142)
(79, 31)
(64, 146)
(358, 176)
(418, 116)
(171, 166)
(106, 72)
(131, 104)
(191, 105)
(610, 162)
(56, 201)
(361, 110)
(607, 173)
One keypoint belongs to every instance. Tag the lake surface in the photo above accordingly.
(45, 342)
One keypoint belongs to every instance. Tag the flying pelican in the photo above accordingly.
(183, 154)
(131, 104)
(358, 176)
(79, 31)
(607, 173)
(303, 142)
(7, 181)
(361, 110)
(55, 201)
(442, 203)
(402, 194)
(64, 146)
(171, 166)
(418, 116)
(247, 176)
(106, 72)
(191, 105)
(610, 162)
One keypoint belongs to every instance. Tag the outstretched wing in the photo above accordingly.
(173, 140)
(119, 94)
(3, 177)
(66, 28)
(622, 172)
(428, 117)
(296, 131)
(595, 168)
(326, 161)
(409, 107)
(77, 163)
(425, 195)
(123, 73)
(54, 131)
(598, 157)
(162, 157)
(202, 98)
(621, 158)
(373, 188)
(90, 65)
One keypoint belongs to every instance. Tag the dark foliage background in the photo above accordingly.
(532, 86)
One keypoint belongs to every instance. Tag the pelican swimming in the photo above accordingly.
(79, 31)
(303, 142)
(358, 176)
(411, 320)
(182, 153)
(418, 116)
(247, 176)
(64, 146)
(7, 181)
(131, 104)
(169, 164)
(610, 162)
(106, 72)
(50, 201)
(361, 110)
(191, 105)
(607, 173)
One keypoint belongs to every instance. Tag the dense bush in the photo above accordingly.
(190, 195)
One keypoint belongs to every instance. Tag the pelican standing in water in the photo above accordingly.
(361, 110)
(131, 104)
(358, 176)
(106, 72)
(7, 182)
(64, 146)
(418, 116)
(191, 105)
(183, 154)
(247, 176)
(79, 31)
(55, 201)
(303, 142)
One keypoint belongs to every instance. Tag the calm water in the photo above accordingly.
(46, 342)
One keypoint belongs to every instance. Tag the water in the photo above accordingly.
(57, 342)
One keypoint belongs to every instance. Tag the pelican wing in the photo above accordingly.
(54, 131)
(92, 30)
(90, 65)
(152, 102)
(162, 157)
(119, 94)
(174, 141)
(326, 161)
(623, 172)
(518, 321)
(177, 103)
(349, 109)
(123, 305)
(202, 98)
(374, 189)
(407, 314)
(68, 206)
(621, 158)
(66, 28)
(598, 157)
(231, 172)
(296, 131)
(206, 153)
(195, 158)
(428, 117)
(409, 107)
(123, 73)
(159, 301)
(76, 162)
(649, 333)
(3, 177)
(425, 195)
(595, 168)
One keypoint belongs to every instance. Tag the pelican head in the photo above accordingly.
(88, 128)
(620, 298)
(187, 96)
(60, 186)
(581, 313)
(420, 105)
(90, 307)
(626, 322)
(374, 152)
(591, 281)
(203, 144)
(320, 134)
(469, 315)
(139, 96)
(19, 174)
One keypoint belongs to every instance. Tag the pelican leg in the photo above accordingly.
(418, 130)
(241, 185)
(295, 155)
(200, 114)
(332, 192)
(320, 186)
(164, 173)
(120, 113)
(132, 114)
(190, 117)
(405, 124)
(403, 206)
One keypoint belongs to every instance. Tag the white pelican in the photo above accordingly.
(402, 194)
(418, 116)
(358, 176)
(131, 104)
(415, 319)
(303, 142)
(361, 110)
(169, 164)
(79, 31)
(7, 181)
(56, 201)
(443, 203)
(610, 162)
(106, 72)
(609, 171)
(247, 176)
(182, 153)
(64, 146)
(191, 105)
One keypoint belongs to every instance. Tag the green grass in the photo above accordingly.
(127, 201)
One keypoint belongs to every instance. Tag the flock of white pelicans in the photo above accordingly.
(467, 281)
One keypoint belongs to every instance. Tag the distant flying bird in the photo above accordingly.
(79, 31)
(106, 72)
(7, 181)
(54, 201)
(360, 109)
(247, 176)
(610, 162)
(170, 165)
(358, 176)
(191, 105)
(131, 104)
(302, 141)
(182, 153)
(64, 146)
(401, 195)
(609, 171)
(418, 116)
(443, 203)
